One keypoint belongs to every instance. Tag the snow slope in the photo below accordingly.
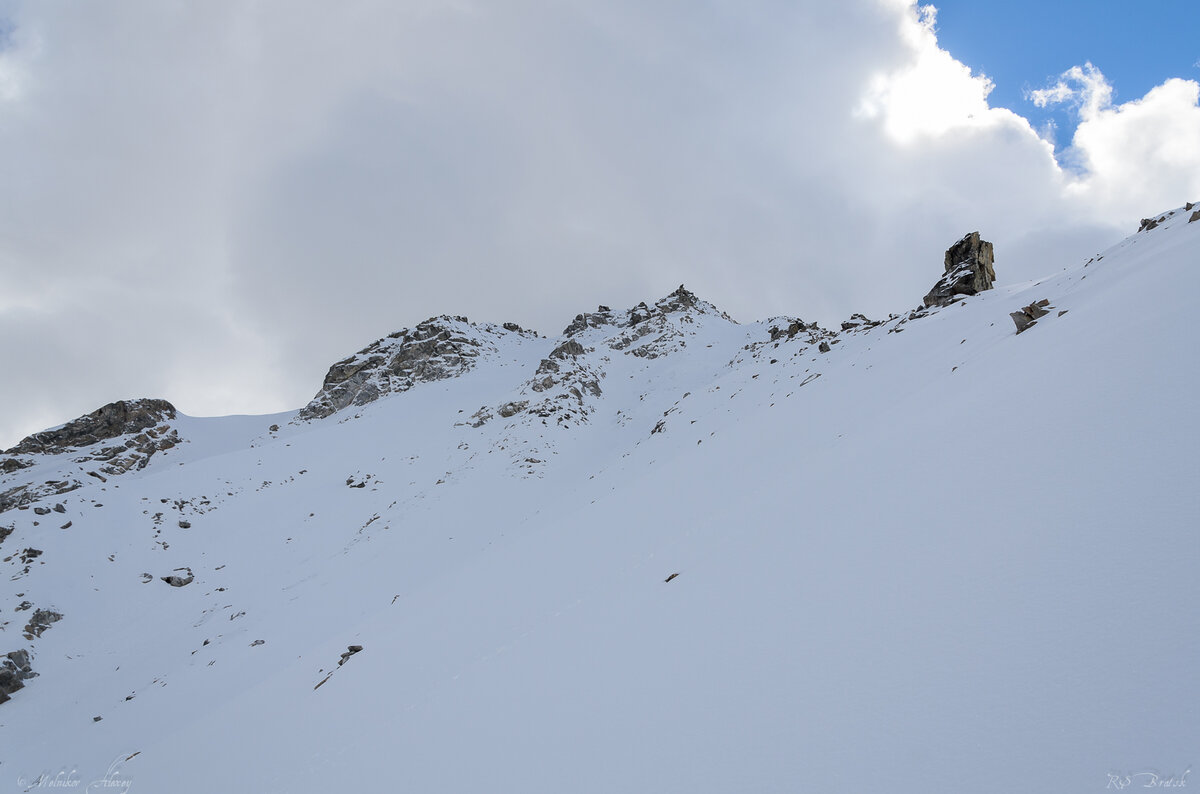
(939, 557)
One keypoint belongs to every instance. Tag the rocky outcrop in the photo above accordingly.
(567, 380)
(969, 270)
(439, 348)
(21, 496)
(40, 621)
(115, 419)
(139, 428)
(15, 669)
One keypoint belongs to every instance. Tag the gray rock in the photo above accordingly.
(437, 349)
(179, 581)
(41, 620)
(15, 669)
(110, 421)
(969, 270)
(1195, 216)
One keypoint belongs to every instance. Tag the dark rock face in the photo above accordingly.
(1195, 216)
(115, 419)
(14, 671)
(439, 348)
(969, 271)
(142, 422)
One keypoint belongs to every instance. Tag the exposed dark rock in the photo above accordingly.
(22, 496)
(5, 532)
(1028, 316)
(1149, 223)
(15, 669)
(115, 419)
(185, 524)
(439, 348)
(969, 270)
(179, 581)
(350, 651)
(40, 621)
(58, 508)
(1195, 216)
(793, 328)
(512, 408)
(823, 347)
(9, 465)
(568, 348)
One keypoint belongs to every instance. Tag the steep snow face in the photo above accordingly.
(939, 556)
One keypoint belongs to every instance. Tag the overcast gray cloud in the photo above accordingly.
(211, 202)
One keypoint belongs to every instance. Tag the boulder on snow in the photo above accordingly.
(179, 581)
(969, 270)
(1029, 315)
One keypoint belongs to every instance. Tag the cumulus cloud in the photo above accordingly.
(211, 202)
(1126, 156)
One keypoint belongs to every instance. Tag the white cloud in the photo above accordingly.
(212, 202)
(1136, 153)
(930, 93)
(1084, 86)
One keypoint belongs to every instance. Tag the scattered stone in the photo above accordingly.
(669, 578)
(350, 651)
(1195, 216)
(66, 525)
(1028, 316)
(147, 578)
(41, 511)
(185, 524)
(1148, 224)
(256, 643)
(969, 270)
(823, 347)
(97, 719)
(179, 581)
(58, 508)
(273, 428)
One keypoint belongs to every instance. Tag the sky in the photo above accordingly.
(212, 202)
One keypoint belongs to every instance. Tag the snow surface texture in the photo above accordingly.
(939, 557)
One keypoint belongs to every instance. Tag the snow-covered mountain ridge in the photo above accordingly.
(660, 550)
